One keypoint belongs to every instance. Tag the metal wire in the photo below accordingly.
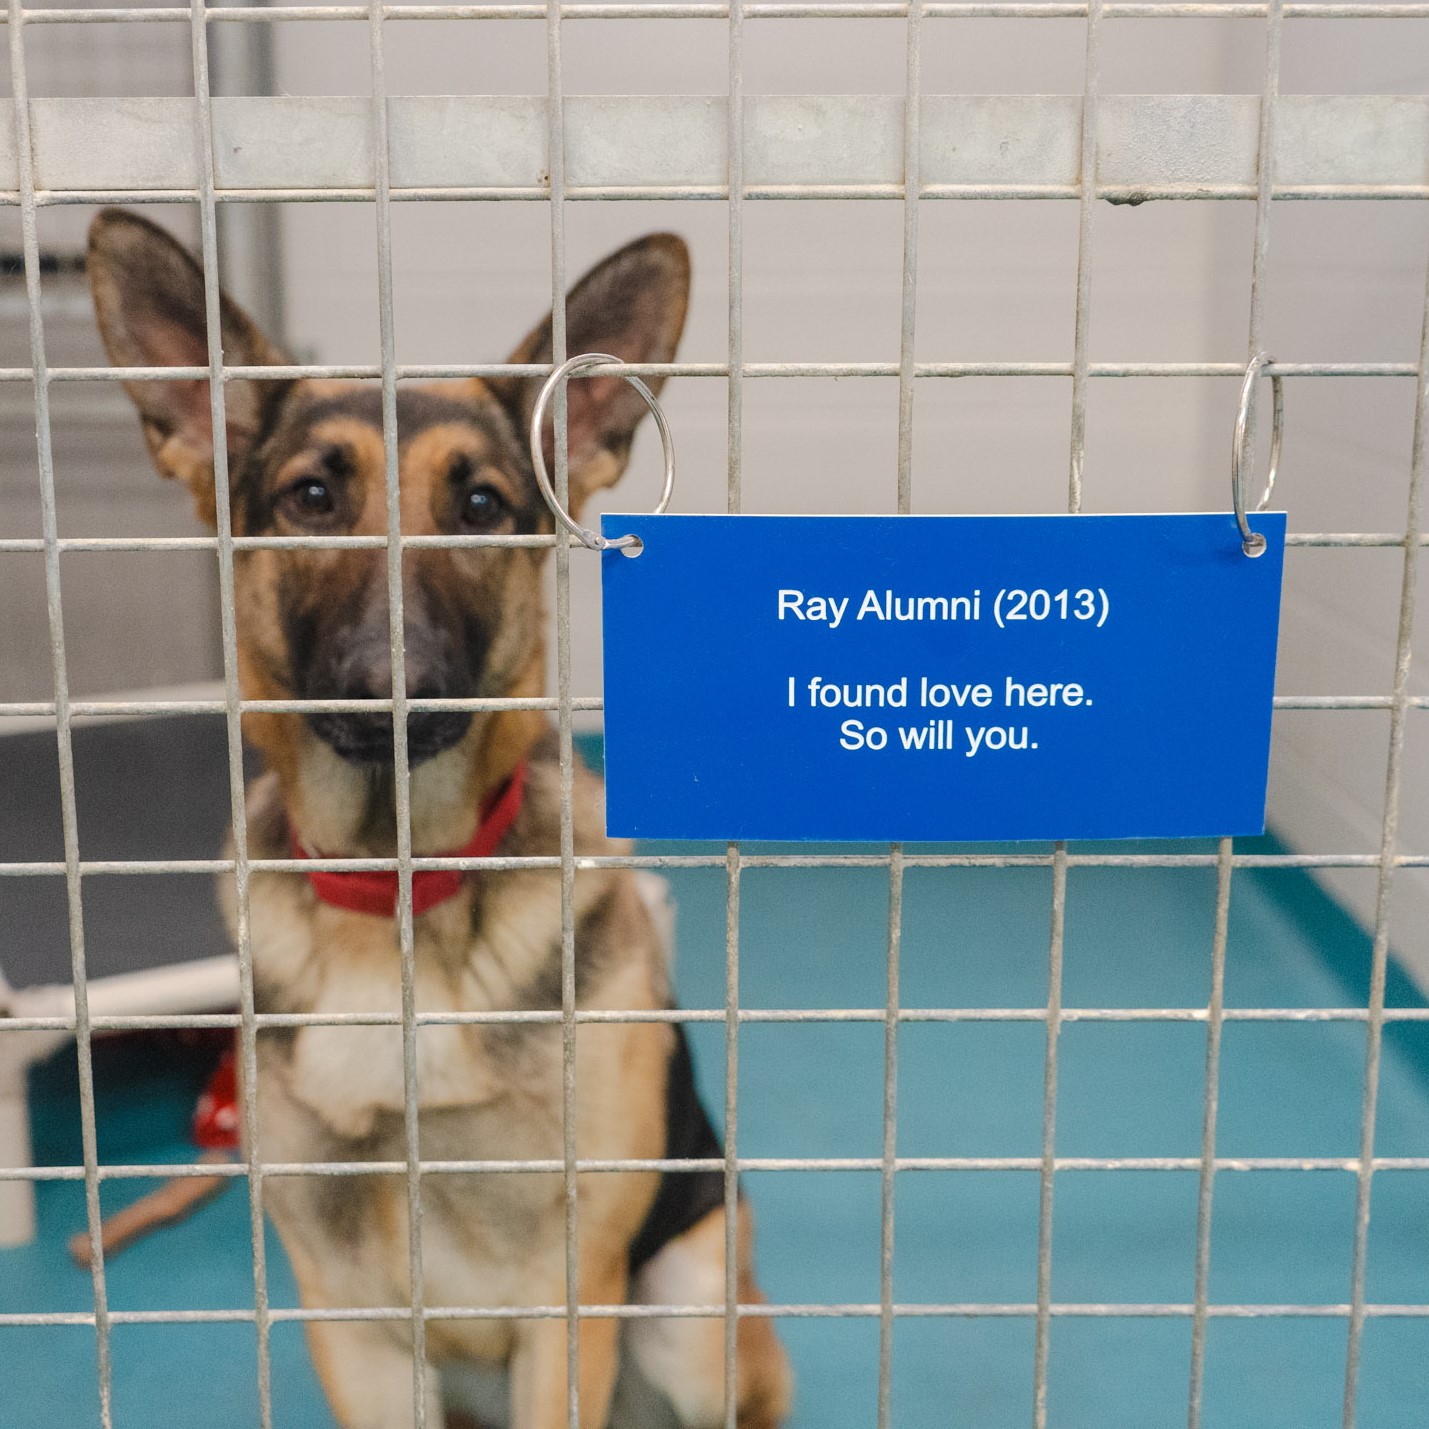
(435, 371)
(731, 1167)
(1205, 1193)
(951, 1310)
(170, 1021)
(1047, 1167)
(110, 544)
(552, 1166)
(755, 10)
(1091, 87)
(1215, 1020)
(1379, 960)
(115, 709)
(247, 1034)
(1041, 1350)
(556, 142)
(92, 867)
(402, 781)
(890, 1164)
(685, 193)
(734, 175)
(733, 860)
(65, 751)
(912, 152)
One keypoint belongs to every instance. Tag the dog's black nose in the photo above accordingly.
(365, 736)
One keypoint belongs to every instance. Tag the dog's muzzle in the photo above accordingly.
(356, 664)
(367, 738)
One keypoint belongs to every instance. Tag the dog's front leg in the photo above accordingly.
(366, 1370)
(538, 1368)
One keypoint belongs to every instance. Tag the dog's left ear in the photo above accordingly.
(632, 306)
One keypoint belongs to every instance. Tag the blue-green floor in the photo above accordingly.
(971, 938)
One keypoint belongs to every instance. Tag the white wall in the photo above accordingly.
(131, 620)
(1347, 283)
(821, 280)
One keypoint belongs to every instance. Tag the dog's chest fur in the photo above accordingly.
(495, 947)
(311, 958)
(483, 1091)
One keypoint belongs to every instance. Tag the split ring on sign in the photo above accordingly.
(593, 540)
(1252, 542)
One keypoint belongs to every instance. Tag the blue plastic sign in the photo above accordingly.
(939, 677)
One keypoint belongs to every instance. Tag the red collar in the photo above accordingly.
(376, 893)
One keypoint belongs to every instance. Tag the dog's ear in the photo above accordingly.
(149, 299)
(632, 306)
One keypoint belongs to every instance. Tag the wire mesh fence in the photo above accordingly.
(746, 149)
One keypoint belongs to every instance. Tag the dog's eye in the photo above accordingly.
(482, 508)
(314, 496)
(310, 497)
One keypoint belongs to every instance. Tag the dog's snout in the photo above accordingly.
(364, 669)
(364, 672)
(360, 668)
(433, 671)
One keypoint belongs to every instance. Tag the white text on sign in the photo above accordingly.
(1009, 605)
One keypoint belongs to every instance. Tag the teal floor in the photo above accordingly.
(816, 938)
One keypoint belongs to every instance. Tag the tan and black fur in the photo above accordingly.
(307, 457)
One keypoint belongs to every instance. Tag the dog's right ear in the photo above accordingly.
(149, 299)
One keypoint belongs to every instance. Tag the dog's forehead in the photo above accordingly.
(326, 407)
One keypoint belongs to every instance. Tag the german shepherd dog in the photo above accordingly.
(306, 458)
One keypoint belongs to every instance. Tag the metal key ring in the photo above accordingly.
(592, 540)
(1252, 542)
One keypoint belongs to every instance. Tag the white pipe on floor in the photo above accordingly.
(18, 1052)
(206, 985)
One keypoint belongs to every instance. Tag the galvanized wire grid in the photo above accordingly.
(209, 194)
